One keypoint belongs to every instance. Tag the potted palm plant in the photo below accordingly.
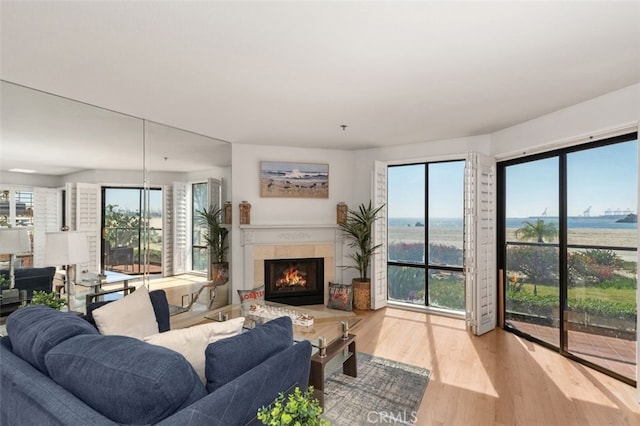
(357, 230)
(216, 237)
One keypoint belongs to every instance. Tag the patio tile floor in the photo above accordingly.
(618, 355)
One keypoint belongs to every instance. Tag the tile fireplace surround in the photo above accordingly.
(261, 242)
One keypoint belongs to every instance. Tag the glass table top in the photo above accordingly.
(326, 323)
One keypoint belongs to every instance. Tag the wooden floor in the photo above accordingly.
(495, 379)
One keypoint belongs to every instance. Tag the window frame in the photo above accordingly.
(426, 265)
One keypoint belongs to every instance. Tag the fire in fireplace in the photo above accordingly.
(294, 281)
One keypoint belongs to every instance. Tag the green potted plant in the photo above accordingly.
(216, 237)
(357, 230)
(297, 409)
(4, 283)
(50, 299)
(8, 295)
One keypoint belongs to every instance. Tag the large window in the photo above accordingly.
(16, 210)
(569, 251)
(425, 234)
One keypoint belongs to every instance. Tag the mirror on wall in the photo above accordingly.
(107, 165)
(57, 137)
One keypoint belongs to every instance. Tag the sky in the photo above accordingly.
(406, 194)
(603, 178)
(129, 198)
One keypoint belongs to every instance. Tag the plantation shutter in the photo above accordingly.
(379, 259)
(46, 204)
(180, 227)
(70, 201)
(168, 218)
(215, 193)
(480, 243)
(87, 220)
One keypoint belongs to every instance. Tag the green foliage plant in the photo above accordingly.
(537, 231)
(216, 234)
(50, 299)
(296, 409)
(4, 283)
(121, 228)
(357, 230)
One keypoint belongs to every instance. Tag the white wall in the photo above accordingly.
(30, 180)
(578, 123)
(245, 175)
(107, 177)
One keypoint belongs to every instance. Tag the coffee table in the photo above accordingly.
(325, 324)
(331, 345)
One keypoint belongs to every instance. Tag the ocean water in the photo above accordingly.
(599, 222)
(295, 175)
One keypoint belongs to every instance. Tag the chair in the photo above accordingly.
(118, 256)
(204, 299)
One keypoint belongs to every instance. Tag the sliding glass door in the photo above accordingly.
(569, 251)
(601, 310)
(531, 249)
(124, 227)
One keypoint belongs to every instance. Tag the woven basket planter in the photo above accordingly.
(361, 294)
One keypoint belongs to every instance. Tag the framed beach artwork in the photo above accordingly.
(294, 180)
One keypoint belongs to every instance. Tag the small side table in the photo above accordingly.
(318, 364)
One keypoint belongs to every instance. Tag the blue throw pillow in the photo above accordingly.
(125, 379)
(229, 358)
(36, 329)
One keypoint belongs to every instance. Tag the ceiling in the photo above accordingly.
(291, 73)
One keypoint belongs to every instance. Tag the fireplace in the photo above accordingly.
(294, 281)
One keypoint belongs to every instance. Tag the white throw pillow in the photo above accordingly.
(131, 316)
(191, 342)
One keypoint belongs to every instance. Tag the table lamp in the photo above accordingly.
(67, 248)
(14, 241)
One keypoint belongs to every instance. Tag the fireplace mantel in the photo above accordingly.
(289, 234)
(261, 242)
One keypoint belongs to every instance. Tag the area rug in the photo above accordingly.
(385, 392)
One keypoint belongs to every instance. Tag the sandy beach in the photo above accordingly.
(292, 189)
(578, 236)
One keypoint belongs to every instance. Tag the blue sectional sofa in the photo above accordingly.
(55, 368)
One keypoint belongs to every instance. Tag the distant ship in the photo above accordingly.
(617, 212)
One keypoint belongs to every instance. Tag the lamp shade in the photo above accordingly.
(66, 248)
(14, 241)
